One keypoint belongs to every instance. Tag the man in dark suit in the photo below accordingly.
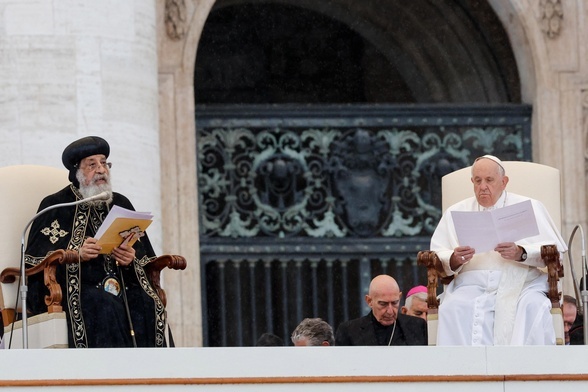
(384, 325)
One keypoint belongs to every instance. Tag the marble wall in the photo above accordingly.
(69, 69)
(72, 69)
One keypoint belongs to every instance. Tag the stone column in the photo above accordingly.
(69, 69)
(180, 24)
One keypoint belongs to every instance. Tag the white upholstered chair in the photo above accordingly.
(534, 180)
(23, 188)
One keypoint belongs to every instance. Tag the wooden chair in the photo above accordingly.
(23, 188)
(526, 178)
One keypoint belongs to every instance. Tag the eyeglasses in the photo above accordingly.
(90, 167)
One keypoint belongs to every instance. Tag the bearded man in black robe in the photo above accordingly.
(93, 291)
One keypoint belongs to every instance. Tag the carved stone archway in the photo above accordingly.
(552, 79)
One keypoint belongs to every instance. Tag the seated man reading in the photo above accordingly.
(93, 289)
(497, 297)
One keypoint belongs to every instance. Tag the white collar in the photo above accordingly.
(501, 202)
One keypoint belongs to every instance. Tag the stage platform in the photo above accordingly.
(455, 369)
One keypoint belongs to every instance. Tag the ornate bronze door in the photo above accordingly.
(302, 205)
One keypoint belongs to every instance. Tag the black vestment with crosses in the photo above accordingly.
(95, 318)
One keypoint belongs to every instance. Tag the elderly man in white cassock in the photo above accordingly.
(497, 297)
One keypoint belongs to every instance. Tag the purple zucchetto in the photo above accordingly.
(415, 290)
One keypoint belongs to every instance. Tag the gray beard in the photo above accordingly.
(93, 189)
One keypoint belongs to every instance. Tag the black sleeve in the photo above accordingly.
(342, 337)
(419, 329)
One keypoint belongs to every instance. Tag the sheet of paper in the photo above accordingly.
(122, 225)
(120, 212)
(483, 230)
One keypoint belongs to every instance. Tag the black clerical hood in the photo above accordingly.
(80, 149)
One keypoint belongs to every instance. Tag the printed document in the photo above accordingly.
(120, 226)
(483, 230)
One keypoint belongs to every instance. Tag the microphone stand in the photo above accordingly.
(583, 293)
(23, 283)
(585, 302)
(126, 302)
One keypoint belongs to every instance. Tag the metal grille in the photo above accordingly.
(302, 206)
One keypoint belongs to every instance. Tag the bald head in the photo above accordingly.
(383, 283)
(384, 299)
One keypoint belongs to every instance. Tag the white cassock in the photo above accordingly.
(491, 300)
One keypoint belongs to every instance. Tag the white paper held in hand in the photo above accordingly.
(483, 230)
(120, 225)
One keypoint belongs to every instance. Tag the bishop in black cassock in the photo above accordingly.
(384, 325)
(93, 296)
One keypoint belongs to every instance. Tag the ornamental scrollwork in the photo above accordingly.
(175, 19)
(551, 17)
(336, 182)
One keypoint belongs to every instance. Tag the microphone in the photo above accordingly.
(23, 286)
(583, 293)
(101, 196)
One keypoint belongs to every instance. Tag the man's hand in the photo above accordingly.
(89, 250)
(509, 251)
(124, 254)
(460, 256)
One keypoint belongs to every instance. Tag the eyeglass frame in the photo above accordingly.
(94, 165)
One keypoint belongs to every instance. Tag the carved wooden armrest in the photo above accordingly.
(153, 270)
(550, 256)
(9, 275)
(430, 260)
(53, 300)
(48, 266)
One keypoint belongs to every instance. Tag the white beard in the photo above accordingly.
(93, 189)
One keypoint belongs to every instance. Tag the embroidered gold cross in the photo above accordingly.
(54, 232)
